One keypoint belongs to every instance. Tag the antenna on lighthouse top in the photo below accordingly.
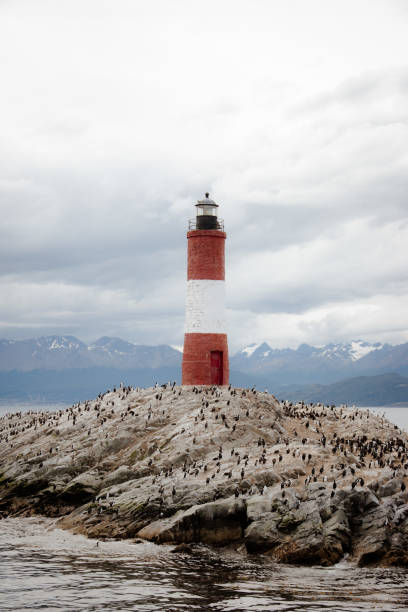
(207, 195)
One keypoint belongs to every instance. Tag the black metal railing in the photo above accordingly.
(192, 224)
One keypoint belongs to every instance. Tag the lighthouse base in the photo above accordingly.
(205, 359)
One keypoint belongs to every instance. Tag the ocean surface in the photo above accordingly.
(17, 406)
(44, 568)
(396, 414)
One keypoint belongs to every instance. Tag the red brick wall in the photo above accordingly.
(206, 255)
(196, 358)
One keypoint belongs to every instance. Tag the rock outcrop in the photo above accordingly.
(305, 484)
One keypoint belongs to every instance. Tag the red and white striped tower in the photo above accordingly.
(205, 356)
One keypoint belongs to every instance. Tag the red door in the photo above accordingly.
(216, 367)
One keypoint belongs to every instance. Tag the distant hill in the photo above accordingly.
(381, 390)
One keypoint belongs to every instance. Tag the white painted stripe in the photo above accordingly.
(205, 307)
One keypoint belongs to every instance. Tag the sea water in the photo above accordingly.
(45, 568)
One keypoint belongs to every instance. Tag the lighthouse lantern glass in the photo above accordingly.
(206, 209)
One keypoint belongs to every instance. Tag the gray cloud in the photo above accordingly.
(116, 121)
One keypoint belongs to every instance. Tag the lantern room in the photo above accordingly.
(206, 218)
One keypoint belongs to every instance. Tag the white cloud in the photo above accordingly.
(379, 318)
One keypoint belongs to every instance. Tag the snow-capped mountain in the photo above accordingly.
(62, 352)
(351, 351)
(321, 364)
(44, 352)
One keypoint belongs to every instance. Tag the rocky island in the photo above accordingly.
(304, 484)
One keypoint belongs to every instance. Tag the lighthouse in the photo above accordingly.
(205, 355)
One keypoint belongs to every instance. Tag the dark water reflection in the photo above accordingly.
(43, 568)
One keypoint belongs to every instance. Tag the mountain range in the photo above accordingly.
(62, 352)
(326, 364)
(66, 367)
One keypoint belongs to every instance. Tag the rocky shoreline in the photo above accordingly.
(303, 484)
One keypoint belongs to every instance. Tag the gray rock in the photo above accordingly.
(391, 487)
(122, 474)
(257, 506)
(83, 487)
(337, 532)
(263, 534)
(305, 544)
(216, 523)
(126, 466)
(358, 501)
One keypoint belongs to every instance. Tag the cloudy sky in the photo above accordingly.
(117, 115)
